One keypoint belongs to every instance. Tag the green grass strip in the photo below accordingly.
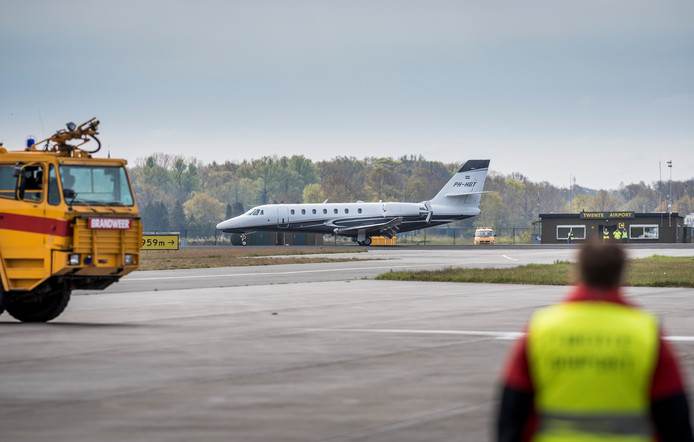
(656, 271)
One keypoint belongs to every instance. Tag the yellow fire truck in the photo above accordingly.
(67, 221)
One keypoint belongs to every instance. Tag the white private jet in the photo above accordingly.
(458, 199)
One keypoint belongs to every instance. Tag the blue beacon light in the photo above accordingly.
(31, 141)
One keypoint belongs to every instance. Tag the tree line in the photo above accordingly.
(179, 194)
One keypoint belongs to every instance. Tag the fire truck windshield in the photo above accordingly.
(96, 185)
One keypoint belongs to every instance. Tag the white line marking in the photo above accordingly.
(509, 258)
(491, 334)
(501, 335)
(680, 338)
(293, 272)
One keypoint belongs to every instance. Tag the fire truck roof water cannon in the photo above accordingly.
(68, 221)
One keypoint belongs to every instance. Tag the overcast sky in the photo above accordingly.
(603, 90)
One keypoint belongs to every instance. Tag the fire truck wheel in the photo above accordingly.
(44, 308)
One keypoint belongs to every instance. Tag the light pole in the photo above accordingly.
(669, 195)
(669, 191)
(660, 185)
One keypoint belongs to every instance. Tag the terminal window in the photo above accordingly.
(579, 232)
(643, 231)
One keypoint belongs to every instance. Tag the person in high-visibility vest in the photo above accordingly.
(570, 236)
(605, 234)
(594, 367)
(617, 234)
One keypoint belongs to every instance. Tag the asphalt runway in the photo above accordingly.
(309, 360)
(371, 264)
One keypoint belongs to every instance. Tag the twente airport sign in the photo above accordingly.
(607, 215)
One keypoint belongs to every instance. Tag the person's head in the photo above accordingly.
(601, 265)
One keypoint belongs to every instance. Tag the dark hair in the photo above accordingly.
(601, 265)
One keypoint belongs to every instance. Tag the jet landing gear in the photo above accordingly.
(362, 238)
(244, 239)
(366, 242)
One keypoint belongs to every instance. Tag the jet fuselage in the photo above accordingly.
(326, 218)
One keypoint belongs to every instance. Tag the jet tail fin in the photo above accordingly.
(466, 187)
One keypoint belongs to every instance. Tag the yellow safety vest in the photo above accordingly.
(592, 364)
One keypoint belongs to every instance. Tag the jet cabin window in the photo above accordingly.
(325, 211)
(359, 210)
(292, 211)
(335, 211)
(313, 211)
(303, 211)
(346, 210)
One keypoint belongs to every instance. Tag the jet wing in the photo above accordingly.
(373, 227)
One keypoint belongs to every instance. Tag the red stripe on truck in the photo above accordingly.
(34, 224)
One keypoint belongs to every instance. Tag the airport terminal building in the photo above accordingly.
(619, 226)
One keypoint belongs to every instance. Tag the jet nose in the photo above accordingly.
(228, 224)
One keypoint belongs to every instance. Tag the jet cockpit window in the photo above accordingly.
(262, 212)
(255, 212)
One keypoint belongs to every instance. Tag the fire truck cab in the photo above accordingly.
(67, 221)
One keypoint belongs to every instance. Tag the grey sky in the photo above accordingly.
(599, 89)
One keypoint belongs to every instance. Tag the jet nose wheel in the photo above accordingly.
(244, 240)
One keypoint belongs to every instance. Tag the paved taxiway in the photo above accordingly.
(373, 263)
(341, 360)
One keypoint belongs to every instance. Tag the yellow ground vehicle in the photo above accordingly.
(384, 241)
(67, 221)
(484, 235)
